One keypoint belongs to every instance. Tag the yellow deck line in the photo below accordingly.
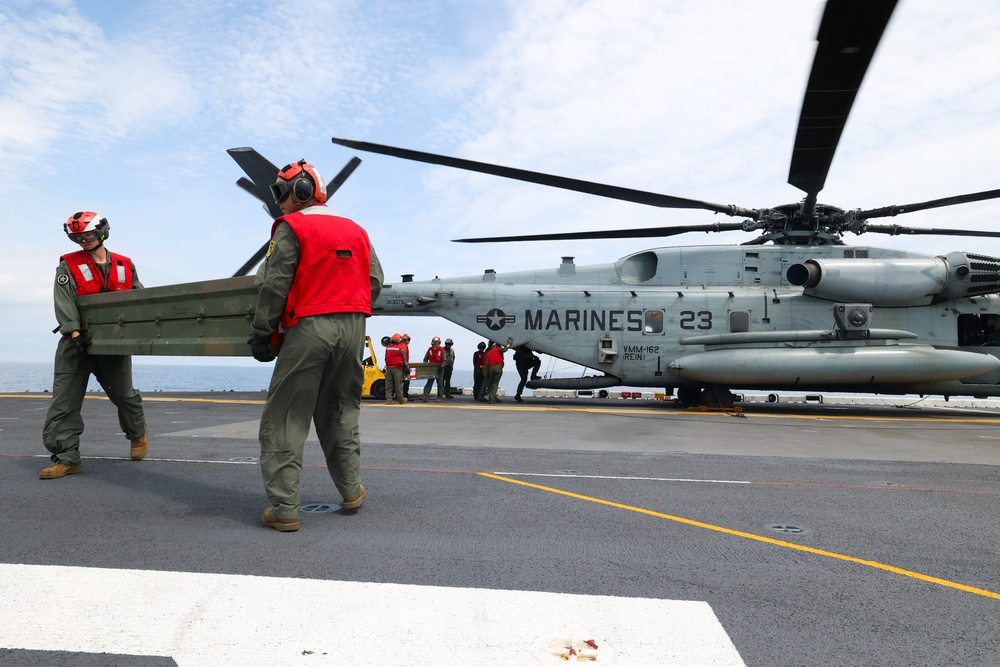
(758, 538)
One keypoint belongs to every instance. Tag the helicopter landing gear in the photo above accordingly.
(689, 396)
(716, 396)
(712, 396)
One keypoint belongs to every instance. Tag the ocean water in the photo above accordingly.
(17, 377)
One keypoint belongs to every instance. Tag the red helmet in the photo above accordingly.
(396, 338)
(435, 341)
(85, 225)
(302, 180)
(406, 338)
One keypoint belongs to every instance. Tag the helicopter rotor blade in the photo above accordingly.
(897, 230)
(889, 211)
(263, 174)
(848, 35)
(342, 176)
(248, 185)
(253, 261)
(611, 234)
(587, 187)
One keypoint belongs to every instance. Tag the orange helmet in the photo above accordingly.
(86, 226)
(396, 338)
(301, 180)
(435, 341)
(406, 338)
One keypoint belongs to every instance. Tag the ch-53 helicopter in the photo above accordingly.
(794, 309)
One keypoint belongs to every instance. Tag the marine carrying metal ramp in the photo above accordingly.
(208, 318)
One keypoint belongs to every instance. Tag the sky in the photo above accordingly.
(127, 109)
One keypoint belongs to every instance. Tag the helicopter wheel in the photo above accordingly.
(716, 396)
(689, 396)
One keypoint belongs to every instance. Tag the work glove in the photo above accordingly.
(81, 343)
(261, 348)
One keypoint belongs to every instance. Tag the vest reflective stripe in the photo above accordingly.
(435, 356)
(334, 266)
(90, 280)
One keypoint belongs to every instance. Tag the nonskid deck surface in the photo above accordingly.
(514, 533)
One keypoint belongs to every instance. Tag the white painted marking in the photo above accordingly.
(620, 477)
(223, 619)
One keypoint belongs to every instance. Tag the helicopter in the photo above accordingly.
(793, 309)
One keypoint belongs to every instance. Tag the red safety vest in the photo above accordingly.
(435, 355)
(494, 356)
(90, 279)
(394, 357)
(334, 266)
(478, 360)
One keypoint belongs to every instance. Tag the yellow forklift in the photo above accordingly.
(374, 376)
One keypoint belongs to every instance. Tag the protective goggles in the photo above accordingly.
(85, 237)
(281, 190)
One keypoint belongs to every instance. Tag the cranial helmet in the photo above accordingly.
(86, 222)
(300, 180)
(448, 341)
(406, 338)
(396, 338)
(481, 346)
(436, 340)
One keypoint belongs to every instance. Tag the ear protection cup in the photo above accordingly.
(303, 188)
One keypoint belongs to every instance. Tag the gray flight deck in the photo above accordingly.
(817, 534)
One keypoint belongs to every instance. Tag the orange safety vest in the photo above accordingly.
(334, 266)
(494, 356)
(90, 279)
(394, 357)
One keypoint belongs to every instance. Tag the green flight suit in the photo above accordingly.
(317, 378)
(63, 421)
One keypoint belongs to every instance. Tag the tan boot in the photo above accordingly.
(281, 525)
(57, 470)
(139, 447)
(354, 502)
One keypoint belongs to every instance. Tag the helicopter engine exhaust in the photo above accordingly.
(898, 282)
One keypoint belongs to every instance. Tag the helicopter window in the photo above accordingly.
(654, 322)
(739, 321)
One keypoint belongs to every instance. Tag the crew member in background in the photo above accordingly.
(494, 367)
(396, 365)
(434, 355)
(90, 270)
(405, 344)
(525, 360)
(318, 283)
(478, 369)
(447, 367)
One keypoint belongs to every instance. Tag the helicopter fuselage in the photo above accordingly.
(811, 318)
